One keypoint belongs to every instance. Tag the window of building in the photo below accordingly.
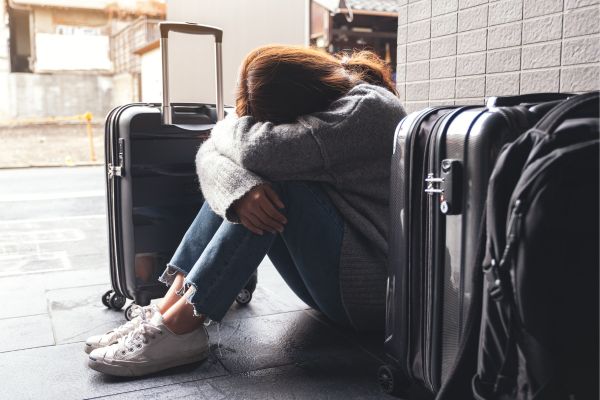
(20, 40)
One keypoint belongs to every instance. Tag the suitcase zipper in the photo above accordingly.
(409, 146)
(434, 184)
(411, 353)
(431, 156)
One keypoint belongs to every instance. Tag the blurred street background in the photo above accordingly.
(64, 64)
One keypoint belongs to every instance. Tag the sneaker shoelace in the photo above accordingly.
(136, 311)
(139, 336)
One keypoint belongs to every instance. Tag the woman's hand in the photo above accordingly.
(257, 210)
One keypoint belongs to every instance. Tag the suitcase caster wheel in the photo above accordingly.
(106, 298)
(244, 297)
(116, 302)
(129, 312)
(390, 381)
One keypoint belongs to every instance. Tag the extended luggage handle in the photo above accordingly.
(194, 29)
(191, 28)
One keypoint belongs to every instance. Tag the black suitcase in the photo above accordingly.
(151, 184)
(441, 164)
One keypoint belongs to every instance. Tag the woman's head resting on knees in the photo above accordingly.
(279, 83)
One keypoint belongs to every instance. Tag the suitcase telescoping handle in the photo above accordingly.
(194, 29)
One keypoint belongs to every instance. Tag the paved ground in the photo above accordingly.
(50, 144)
(54, 269)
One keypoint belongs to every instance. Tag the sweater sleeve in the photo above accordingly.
(222, 181)
(355, 129)
(277, 152)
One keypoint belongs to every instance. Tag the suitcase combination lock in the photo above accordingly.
(118, 170)
(448, 186)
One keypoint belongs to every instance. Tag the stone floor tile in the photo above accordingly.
(77, 313)
(372, 342)
(25, 332)
(282, 383)
(21, 296)
(97, 274)
(60, 372)
(290, 338)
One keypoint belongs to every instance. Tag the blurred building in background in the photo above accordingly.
(63, 65)
(67, 57)
(338, 25)
(332, 25)
(246, 25)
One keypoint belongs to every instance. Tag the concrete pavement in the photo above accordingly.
(54, 269)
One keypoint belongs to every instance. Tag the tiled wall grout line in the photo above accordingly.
(543, 47)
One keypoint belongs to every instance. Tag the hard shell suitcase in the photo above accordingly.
(151, 184)
(441, 164)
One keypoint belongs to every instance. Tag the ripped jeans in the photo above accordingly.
(218, 257)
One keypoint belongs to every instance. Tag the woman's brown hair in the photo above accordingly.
(279, 83)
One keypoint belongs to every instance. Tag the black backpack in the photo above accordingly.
(534, 335)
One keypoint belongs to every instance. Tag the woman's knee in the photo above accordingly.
(298, 196)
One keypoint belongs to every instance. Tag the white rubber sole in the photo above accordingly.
(125, 368)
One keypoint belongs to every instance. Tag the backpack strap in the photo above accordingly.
(506, 379)
(500, 290)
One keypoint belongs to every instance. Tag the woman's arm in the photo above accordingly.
(222, 181)
(278, 152)
(356, 128)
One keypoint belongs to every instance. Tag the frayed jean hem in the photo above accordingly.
(169, 274)
(187, 291)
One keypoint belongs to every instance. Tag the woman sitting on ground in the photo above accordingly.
(301, 174)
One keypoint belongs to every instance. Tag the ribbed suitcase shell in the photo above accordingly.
(432, 254)
(156, 197)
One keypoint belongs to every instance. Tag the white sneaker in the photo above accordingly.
(140, 314)
(151, 347)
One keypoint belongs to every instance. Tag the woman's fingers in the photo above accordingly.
(271, 224)
(257, 210)
(258, 223)
(275, 218)
(264, 221)
(273, 196)
(250, 226)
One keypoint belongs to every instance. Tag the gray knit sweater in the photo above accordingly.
(347, 149)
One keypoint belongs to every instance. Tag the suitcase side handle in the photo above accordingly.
(194, 29)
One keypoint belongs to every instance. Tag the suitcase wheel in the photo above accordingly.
(106, 298)
(391, 381)
(245, 295)
(116, 302)
(128, 312)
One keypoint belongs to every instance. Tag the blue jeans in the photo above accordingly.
(218, 257)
